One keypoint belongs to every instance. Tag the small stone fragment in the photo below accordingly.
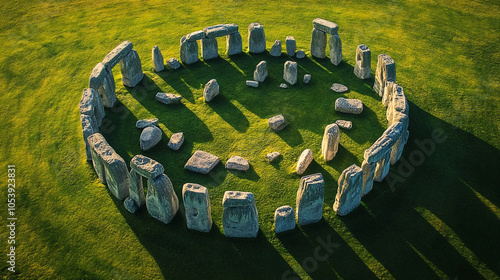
(339, 88)
(146, 122)
(157, 58)
(254, 84)
(201, 162)
(344, 124)
(237, 163)
(276, 49)
(291, 46)
(310, 198)
(173, 63)
(283, 86)
(176, 141)
(211, 90)
(350, 106)
(197, 207)
(150, 136)
(290, 72)
(300, 54)
(260, 73)
(256, 38)
(168, 98)
(284, 219)
(130, 205)
(307, 78)
(240, 218)
(304, 160)
(146, 167)
(330, 143)
(350, 187)
(272, 156)
(277, 122)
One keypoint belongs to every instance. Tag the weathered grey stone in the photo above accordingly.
(92, 94)
(168, 98)
(380, 148)
(260, 73)
(339, 88)
(347, 105)
(330, 144)
(276, 49)
(283, 86)
(349, 190)
(284, 219)
(88, 128)
(161, 200)
(103, 82)
(397, 148)
(237, 163)
(197, 207)
(291, 47)
(290, 72)
(368, 173)
(109, 166)
(307, 78)
(131, 69)
(252, 83)
(196, 35)
(300, 54)
(277, 122)
(173, 63)
(130, 205)
(136, 189)
(382, 168)
(146, 122)
(117, 54)
(87, 108)
(220, 30)
(256, 38)
(397, 103)
(387, 97)
(386, 71)
(234, 44)
(176, 141)
(304, 160)
(335, 45)
(157, 58)
(201, 162)
(240, 218)
(325, 26)
(146, 167)
(150, 136)
(362, 68)
(318, 43)
(344, 124)
(188, 51)
(310, 198)
(211, 90)
(209, 48)
(272, 156)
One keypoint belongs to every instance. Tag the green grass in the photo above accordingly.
(441, 220)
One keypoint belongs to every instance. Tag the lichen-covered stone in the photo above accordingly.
(256, 38)
(103, 82)
(173, 63)
(350, 187)
(318, 43)
(117, 54)
(220, 30)
(168, 98)
(234, 44)
(197, 207)
(161, 200)
(146, 122)
(330, 143)
(131, 69)
(384, 143)
(344, 124)
(304, 160)
(310, 198)
(362, 67)
(347, 105)
(201, 162)
(91, 94)
(276, 49)
(196, 35)
(209, 48)
(291, 46)
(240, 216)
(325, 26)
(300, 54)
(188, 51)
(150, 136)
(284, 219)
(136, 189)
(277, 122)
(368, 173)
(290, 72)
(146, 167)
(211, 90)
(335, 45)
(260, 73)
(386, 71)
(88, 128)
(130, 205)
(157, 58)
(176, 141)
(237, 163)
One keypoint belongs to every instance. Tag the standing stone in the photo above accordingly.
(304, 160)
(87, 107)
(276, 49)
(173, 63)
(146, 167)
(387, 97)
(277, 122)
(291, 46)
(209, 49)
(307, 78)
(237, 163)
(197, 207)
(234, 43)
(136, 189)
(256, 38)
(161, 200)
(88, 128)
(349, 105)
(330, 144)
(260, 72)
(362, 68)
(168, 98)
(310, 198)
(284, 219)
(211, 90)
(201, 162)
(157, 59)
(300, 54)
(349, 190)
(176, 141)
(368, 173)
(318, 43)
(386, 71)
(335, 49)
(290, 72)
(189, 51)
(130, 205)
(92, 94)
(272, 156)
(102, 80)
(150, 136)
(240, 218)
(254, 84)
(146, 122)
(131, 69)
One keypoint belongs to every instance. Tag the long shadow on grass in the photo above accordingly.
(230, 113)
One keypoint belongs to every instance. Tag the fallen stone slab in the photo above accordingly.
(284, 219)
(117, 54)
(146, 122)
(254, 84)
(310, 198)
(304, 160)
(234, 44)
(197, 207)
(318, 43)
(277, 123)
(211, 90)
(237, 163)
(330, 143)
(339, 88)
(344, 124)
(276, 49)
(350, 106)
(188, 51)
(196, 35)
(201, 162)
(173, 63)
(349, 190)
(307, 78)
(290, 72)
(256, 38)
(325, 26)
(300, 54)
(220, 30)
(272, 156)
(291, 46)
(176, 141)
(131, 69)
(161, 201)
(157, 58)
(168, 98)
(240, 216)
(150, 136)
(146, 167)
(260, 73)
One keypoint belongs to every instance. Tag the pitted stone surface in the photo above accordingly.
(330, 144)
(209, 48)
(176, 141)
(300, 54)
(131, 69)
(362, 68)
(188, 51)
(117, 54)
(291, 46)
(150, 136)
(386, 71)
(88, 128)
(344, 124)
(234, 43)
(284, 219)
(130, 205)
(350, 106)
(384, 143)
(196, 35)
(157, 58)
(220, 30)
(240, 217)
(173, 63)
(146, 122)
(211, 90)
(277, 122)
(146, 167)
(256, 38)
(349, 190)
(237, 163)
(276, 49)
(318, 43)
(335, 45)
(92, 94)
(103, 82)
(168, 98)
(290, 72)
(325, 26)
(310, 198)
(260, 73)
(161, 200)
(272, 156)
(197, 207)
(136, 189)
(339, 88)
(304, 160)
(201, 162)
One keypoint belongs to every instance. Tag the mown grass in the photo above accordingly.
(441, 220)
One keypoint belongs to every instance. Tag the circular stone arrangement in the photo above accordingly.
(240, 216)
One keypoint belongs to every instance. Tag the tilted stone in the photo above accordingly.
(211, 90)
(284, 219)
(188, 51)
(339, 88)
(368, 173)
(136, 189)
(310, 198)
(349, 190)
(173, 63)
(256, 38)
(290, 72)
(234, 44)
(197, 207)
(277, 122)
(300, 54)
(146, 167)
(330, 143)
(318, 43)
(397, 102)
(325, 26)
(276, 49)
(260, 73)
(103, 82)
(168, 98)
(307, 78)
(350, 106)
(335, 45)
(196, 35)
(291, 46)
(176, 141)
(272, 156)
(209, 48)
(362, 67)
(252, 83)
(386, 71)
(131, 69)
(201, 162)
(304, 160)
(161, 200)
(88, 128)
(117, 54)
(240, 217)
(150, 136)
(397, 148)
(157, 58)
(146, 122)
(237, 163)
(220, 30)
(92, 94)
(383, 145)
(344, 124)
(130, 205)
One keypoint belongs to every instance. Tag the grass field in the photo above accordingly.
(438, 215)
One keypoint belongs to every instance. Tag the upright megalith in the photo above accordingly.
(362, 66)
(157, 58)
(398, 112)
(136, 190)
(234, 43)
(290, 72)
(211, 90)
(330, 143)
(318, 43)
(335, 45)
(240, 218)
(256, 38)
(197, 207)
(321, 28)
(90, 97)
(310, 198)
(102, 80)
(350, 187)
(368, 173)
(386, 71)
(276, 49)
(88, 128)
(188, 51)
(284, 219)
(260, 73)
(291, 46)
(131, 69)
(306, 157)
(161, 200)
(141, 166)
(209, 48)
